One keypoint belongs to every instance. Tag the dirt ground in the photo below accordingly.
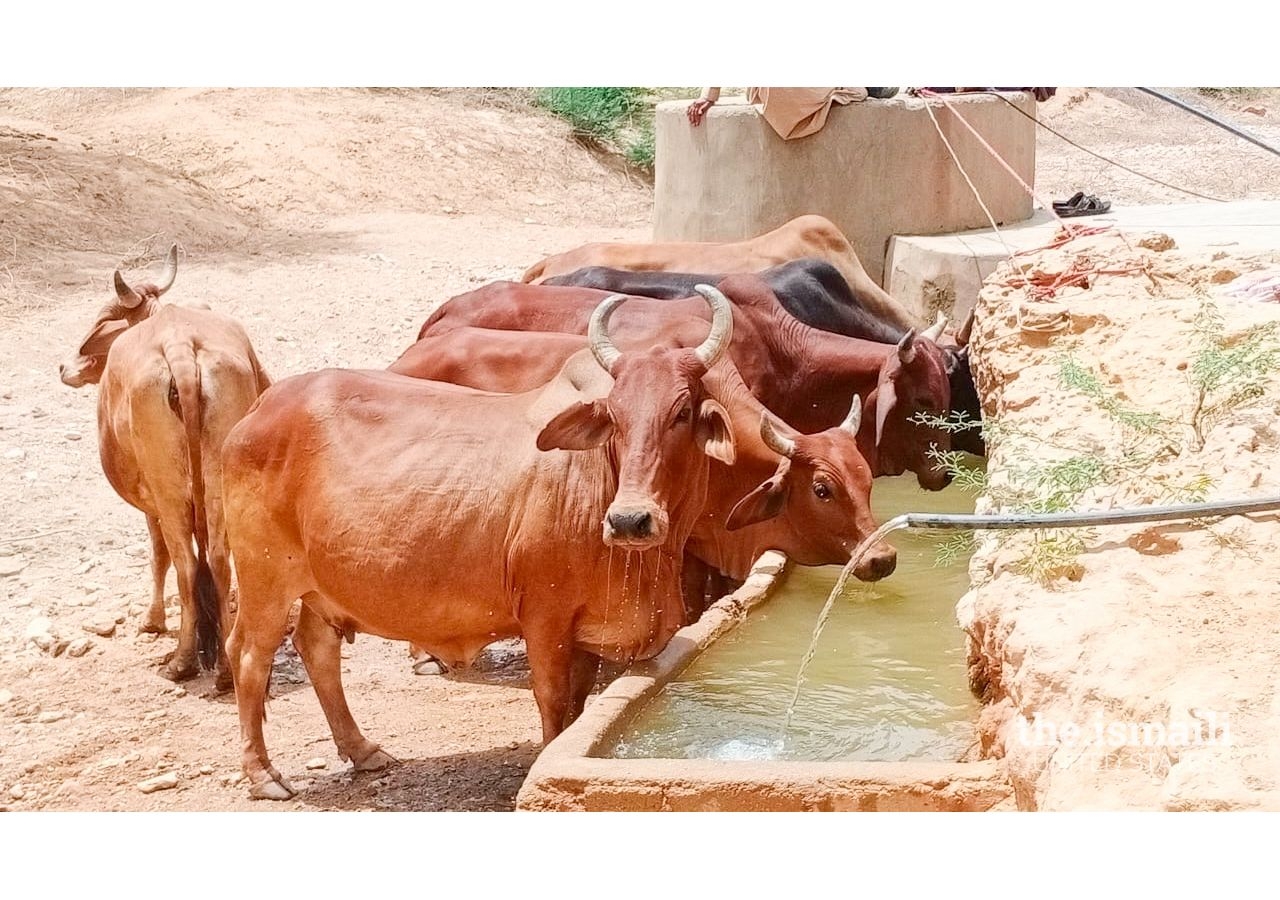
(330, 222)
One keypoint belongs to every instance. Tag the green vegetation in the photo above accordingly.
(615, 118)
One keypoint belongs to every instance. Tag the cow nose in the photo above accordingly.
(631, 524)
(883, 565)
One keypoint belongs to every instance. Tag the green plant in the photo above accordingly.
(618, 118)
(1227, 374)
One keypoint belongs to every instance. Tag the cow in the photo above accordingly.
(173, 380)
(452, 518)
(806, 495)
(806, 236)
(803, 374)
(813, 291)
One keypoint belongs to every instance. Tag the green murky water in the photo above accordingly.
(887, 681)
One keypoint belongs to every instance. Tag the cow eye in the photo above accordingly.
(685, 414)
(821, 491)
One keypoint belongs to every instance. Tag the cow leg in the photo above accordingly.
(261, 622)
(320, 646)
(550, 651)
(177, 537)
(154, 621)
(586, 668)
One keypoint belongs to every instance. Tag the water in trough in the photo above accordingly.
(888, 680)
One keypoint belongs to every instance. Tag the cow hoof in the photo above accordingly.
(222, 682)
(429, 667)
(153, 628)
(276, 789)
(179, 672)
(376, 762)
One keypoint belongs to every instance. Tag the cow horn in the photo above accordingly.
(170, 270)
(907, 347)
(773, 439)
(602, 348)
(934, 331)
(853, 421)
(129, 298)
(962, 336)
(721, 325)
(885, 399)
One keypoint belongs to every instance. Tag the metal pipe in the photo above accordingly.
(1210, 118)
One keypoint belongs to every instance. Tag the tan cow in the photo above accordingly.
(173, 380)
(804, 237)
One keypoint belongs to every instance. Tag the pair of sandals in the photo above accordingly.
(1081, 204)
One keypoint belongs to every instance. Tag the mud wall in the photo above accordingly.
(1130, 666)
(876, 169)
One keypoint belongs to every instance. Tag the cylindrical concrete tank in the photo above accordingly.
(877, 168)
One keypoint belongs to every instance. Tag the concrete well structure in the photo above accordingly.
(878, 168)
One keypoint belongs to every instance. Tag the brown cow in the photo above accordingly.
(452, 518)
(803, 374)
(806, 236)
(806, 495)
(173, 380)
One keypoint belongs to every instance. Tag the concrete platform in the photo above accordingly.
(943, 273)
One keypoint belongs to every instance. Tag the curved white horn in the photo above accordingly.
(602, 348)
(773, 439)
(170, 270)
(962, 336)
(721, 325)
(907, 347)
(853, 421)
(934, 331)
(129, 298)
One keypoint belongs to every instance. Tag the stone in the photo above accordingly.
(73, 435)
(59, 647)
(165, 782)
(5, 696)
(86, 566)
(206, 769)
(318, 762)
(12, 565)
(53, 715)
(15, 453)
(17, 792)
(102, 626)
(155, 714)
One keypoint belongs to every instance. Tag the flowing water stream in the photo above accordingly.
(887, 682)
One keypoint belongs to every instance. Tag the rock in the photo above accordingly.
(5, 696)
(17, 792)
(15, 453)
(79, 647)
(73, 435)
(1255, 110)
(1157, 241)
(155, 714)
(165, 782)
(206, 770)
(59, 647)
(102, 626)
(38, 633)
(318, 763)
(86, 566)
(12, 565)
(53, 715)
(148, 637)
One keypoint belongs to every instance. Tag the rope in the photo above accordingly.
(1105, 159)
(956, 159)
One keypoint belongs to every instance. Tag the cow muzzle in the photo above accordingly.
(74, 374)
(634, 526)
(879, 563)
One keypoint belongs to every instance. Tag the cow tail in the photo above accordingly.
(186, 380)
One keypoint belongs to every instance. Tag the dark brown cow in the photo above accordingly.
(805, 236)
(452, 518)
(803, 374)
(173, 381)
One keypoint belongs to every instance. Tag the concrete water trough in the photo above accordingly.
(579, 771)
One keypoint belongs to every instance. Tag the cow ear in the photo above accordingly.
(715, 434)
(763, 503)
(582, 426)
(102, 337)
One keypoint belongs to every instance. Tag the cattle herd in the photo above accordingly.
(580, 459)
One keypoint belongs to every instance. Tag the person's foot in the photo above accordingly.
(882, 93)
